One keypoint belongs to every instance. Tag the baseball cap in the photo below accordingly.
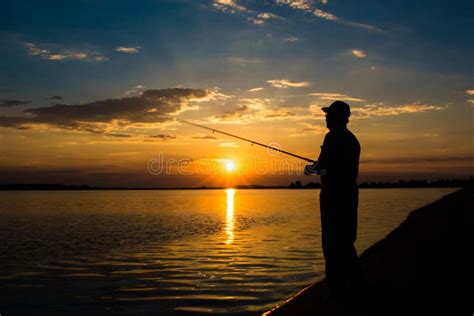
(338, 108)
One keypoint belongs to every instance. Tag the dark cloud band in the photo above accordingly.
(152, 106)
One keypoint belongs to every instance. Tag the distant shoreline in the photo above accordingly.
(402, 184)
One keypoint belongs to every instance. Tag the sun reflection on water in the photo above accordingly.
(229, 227)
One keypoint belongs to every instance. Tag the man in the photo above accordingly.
(338, 165)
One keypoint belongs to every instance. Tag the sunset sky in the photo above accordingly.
(90, 90)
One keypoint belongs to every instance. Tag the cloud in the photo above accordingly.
(230, 6)
(378, 110)
(255, 110)
(127, 50)
(470, 93)
(335, 96)
(285, 83)
(137, 90)
(233, 7)
(256, 103)
(213, 94)
(150, 109)
(359, 53)
(325, 15)
(331, 17)
(162, 136)
(291, 39)
(119, 135)
(262, 18)
(56, 97)
(67, 54)
(255, 89)
(305, 5)
(317, 129)
(267, 16)
(308, 6)
(372, 110)
(234, 114)
(244, 61)
(245, 110)
(363, 26)
(12, 103)
(366, 27)
(229, 144)
(209, 137)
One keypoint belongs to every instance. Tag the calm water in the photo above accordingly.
(132, 252)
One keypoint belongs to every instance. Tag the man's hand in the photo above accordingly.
(310, 169)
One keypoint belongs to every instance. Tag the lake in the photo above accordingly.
(173, 252)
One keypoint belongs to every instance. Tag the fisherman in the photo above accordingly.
(338, 166)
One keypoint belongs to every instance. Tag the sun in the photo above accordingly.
(229, 166)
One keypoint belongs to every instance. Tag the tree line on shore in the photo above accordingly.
(440, 183)
(424, 183)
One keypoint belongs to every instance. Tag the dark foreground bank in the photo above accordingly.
(423, 266)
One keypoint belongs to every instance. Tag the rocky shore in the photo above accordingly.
(421, 267)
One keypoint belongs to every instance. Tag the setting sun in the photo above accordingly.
(229, 166)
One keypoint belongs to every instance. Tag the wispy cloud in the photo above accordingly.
(470, 93)
(379, 109)
(230, 6)
(244, 60)
(372, 110)
(251, 110)
(285, 83)
(316, 129)
(331, 17)
(66, 54)
(335, 96)
(255, 89)
(229, 144)
(262, 18)
(137, 90)
(256, 103)
(309, 7)
(325, 15)
(127, 50)
(291, 39)
(359, 53)
(162, 136)
(207, 137)
(12, 103)
(305, 5)
(252, 16)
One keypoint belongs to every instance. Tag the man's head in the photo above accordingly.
(337, 114)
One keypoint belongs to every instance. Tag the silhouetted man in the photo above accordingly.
(338, 165)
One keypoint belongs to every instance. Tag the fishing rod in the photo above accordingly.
(248, 140)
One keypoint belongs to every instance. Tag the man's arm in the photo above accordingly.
(321, 163)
